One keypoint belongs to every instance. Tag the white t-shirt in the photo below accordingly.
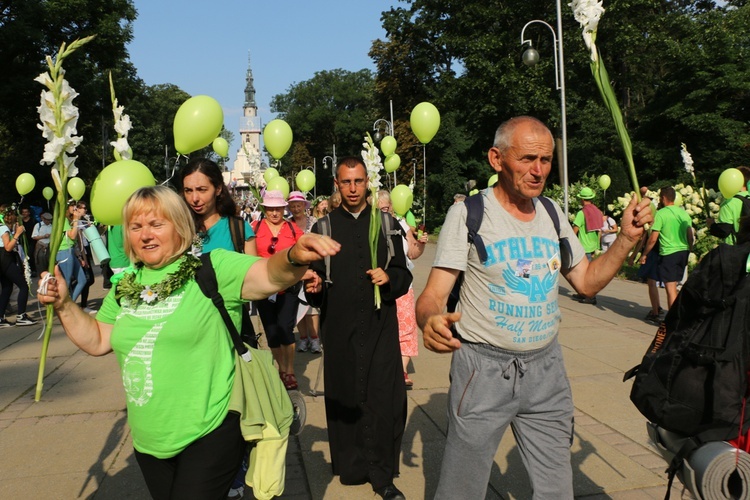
(510, 301)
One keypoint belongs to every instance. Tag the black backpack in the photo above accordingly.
(475, 214)
(723, 229)
(693, 379)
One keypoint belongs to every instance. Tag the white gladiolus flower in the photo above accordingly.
(123, 125)
(687, 160)
(117, 110)
(588, 13)
(371, 158)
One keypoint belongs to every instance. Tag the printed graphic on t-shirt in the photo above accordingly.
(526, 306)
(136, 368)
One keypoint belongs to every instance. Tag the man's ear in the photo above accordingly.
(495, 158)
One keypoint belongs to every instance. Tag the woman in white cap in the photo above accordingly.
(308, 324)
(278, 313)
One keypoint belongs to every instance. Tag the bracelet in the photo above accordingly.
(289, 258)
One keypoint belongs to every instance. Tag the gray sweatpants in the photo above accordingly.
(491, 388)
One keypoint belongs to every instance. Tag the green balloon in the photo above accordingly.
(401, 199)
(678, 199)
(25, 184)
(270, 173)
(76, 188)
(278, 184)
(425, 121)
(388, 145)
(221, 147)
(730, 182)
(305, 180)
(118, 157)
(392, 162)
(604, 182)
(48, 193)
(277, 137)
(114, 185)
(492, 180)
(473, 192)
(197, 123)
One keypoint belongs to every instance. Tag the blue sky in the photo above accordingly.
(202, 46)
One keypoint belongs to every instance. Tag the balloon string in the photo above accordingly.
(174, 168)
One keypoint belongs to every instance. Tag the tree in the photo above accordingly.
(332, 108)
(31, 29)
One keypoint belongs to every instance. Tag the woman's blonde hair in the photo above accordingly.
(167, 203)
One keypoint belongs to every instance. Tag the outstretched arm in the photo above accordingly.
(434, 322)
(90, 335)
(284, 269)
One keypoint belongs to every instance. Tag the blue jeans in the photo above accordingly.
(492, 388)
(71, 268)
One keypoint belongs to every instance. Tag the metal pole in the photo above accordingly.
(562, 104)
(393, 133)
(315, 174)
(424, 185)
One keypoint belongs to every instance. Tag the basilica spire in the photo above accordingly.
(249, 87)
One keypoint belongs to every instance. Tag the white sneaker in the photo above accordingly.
(24, 320)
(236, 493)
(4, 323)
(303, 345)
(89, 310)
(315, 346)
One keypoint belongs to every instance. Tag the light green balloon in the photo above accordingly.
(270, 173)
(197, 123)
(425, 121)
(388, 145)
(678, 199)
(48, 193)
(492, 180)
(25, 184)
(730, 182)
(76, 188)
(221, 147)
(114, 185)
(392, 162)
(473, 192)
(118, 157)
(305, 180)
(277, 137)
(278, 184)
(401, 199)
(604, 182)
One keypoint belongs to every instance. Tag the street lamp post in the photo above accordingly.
(333, 162)
(531, 57)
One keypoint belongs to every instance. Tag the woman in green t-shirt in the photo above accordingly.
(174, 351)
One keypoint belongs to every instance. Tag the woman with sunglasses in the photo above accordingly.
(278, 313)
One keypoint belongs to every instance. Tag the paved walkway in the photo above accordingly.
(75, 442)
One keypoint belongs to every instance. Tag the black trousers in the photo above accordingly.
(11, 274)
(203, 471)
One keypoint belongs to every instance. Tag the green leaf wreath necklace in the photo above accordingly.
(135, 292)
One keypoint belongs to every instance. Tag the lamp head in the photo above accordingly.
(530, 56)
(377, 136)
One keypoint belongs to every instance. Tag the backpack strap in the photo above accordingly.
(474, 215)
(205, 276)
(566, 252)
(291, 226)
(324, 226)
(237, 232)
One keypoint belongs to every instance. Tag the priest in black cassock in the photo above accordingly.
(365, 395)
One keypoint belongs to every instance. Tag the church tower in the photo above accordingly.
(248, 161)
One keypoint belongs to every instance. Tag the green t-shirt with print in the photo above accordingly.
(730, 212)
(176, 356)
(672, 222)
(589, 239)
